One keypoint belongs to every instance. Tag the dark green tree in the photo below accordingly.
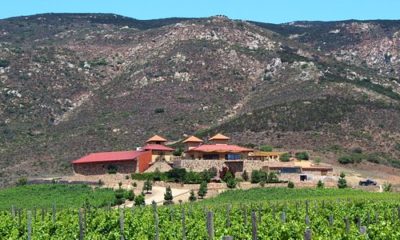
(192, 197)
(320, 184)
(139, 200)
(245, 176)
(231, 183)
(285, 157)
(202, 190)
(168, 196)
(147, 186)
(342, 183)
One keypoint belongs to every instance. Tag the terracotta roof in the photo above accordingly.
(157, 147)
(156, 138)
(265, 154)
(219, 136)
(109, 157)
(220, 148)
(193, 139)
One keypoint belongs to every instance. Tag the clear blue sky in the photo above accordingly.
(277, 11)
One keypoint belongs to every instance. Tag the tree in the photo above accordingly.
(320, 184)
(231, 183)
(202, 190)
(345, 160)
(285, 157)
(266, 148)
(228, 175)
(168, 196)
(178, 152)
(139, 200)
(272, 177)
(317, 160)
(157, 175)
(245, 176)
(302, 156)
(130, 195)
(290, 184)
(342, 183)
(147, 186)
(192, 197)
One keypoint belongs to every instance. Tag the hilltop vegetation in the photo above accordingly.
(72, 84)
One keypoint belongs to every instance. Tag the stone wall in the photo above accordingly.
(238, 166)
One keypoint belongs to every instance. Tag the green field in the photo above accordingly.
(271, 213)
(63, 196)
(286, 194)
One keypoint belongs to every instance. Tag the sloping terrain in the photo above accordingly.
(77, 83)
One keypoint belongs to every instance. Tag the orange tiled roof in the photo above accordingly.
(219, 136)
(220, 148)
(156, 138)
(193, 139)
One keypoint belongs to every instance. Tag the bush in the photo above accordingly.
(285, 157)
(245, 176)
(273, 178)
(22, 181)
(345, 160)
(357, 150)
(168, 196)
(397, 146)
(302, 156)
(266, 148)
(4, 63)
(192, 197)
(192, 177)
(178, 152)
(231, 183)
(176, 174)
(202, 190)
(130, 195)
(228, 176)
(290, 184)
(257, 176)
(387, 187)
(320, 184)
(147, 186)
(342, 183)
(157, 175)
(159, 110)
(139, 200)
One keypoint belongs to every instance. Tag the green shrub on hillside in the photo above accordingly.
(4, 63)
(266, 148)
(302, 156)
(285, 157)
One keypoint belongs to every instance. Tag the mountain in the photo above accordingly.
(71, 84)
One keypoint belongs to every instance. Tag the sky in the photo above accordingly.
(278, 11)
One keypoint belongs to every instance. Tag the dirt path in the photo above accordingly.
(157, 195)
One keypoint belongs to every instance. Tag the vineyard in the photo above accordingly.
(352, 215)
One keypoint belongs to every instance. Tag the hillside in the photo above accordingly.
(72, 84)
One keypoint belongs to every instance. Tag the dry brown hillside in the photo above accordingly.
(77, 83)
